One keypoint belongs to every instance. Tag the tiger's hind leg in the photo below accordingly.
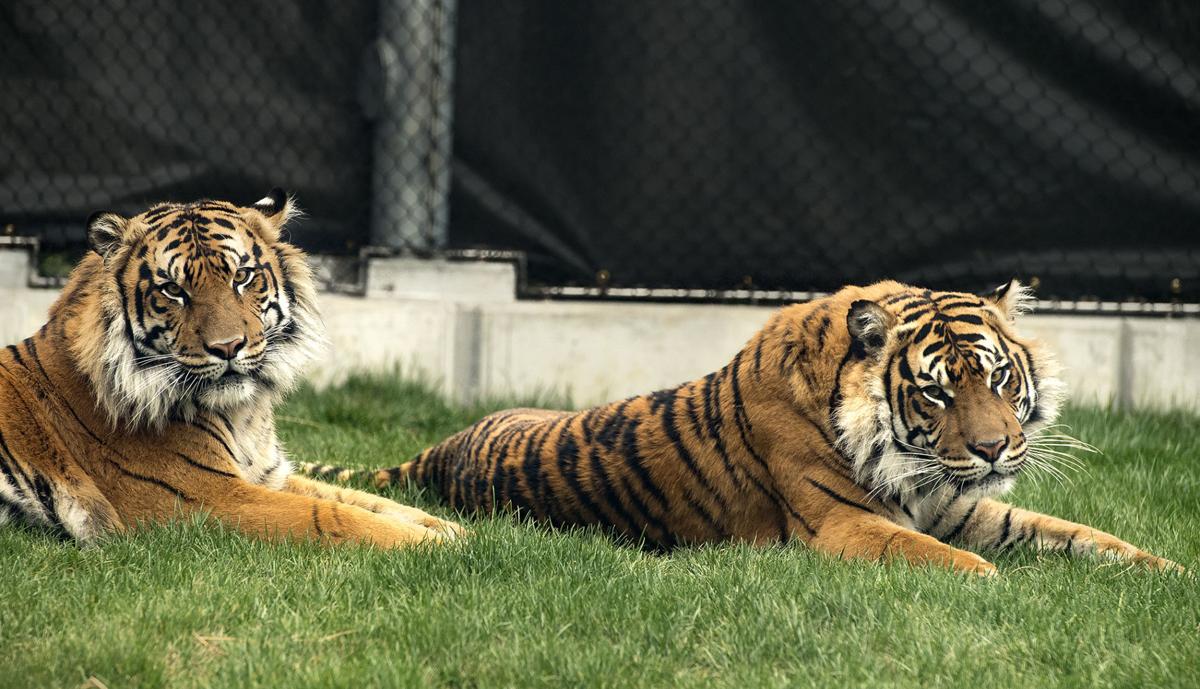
(301, 485)
(66, 502)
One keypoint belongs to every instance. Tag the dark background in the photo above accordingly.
(669, 144)
(118, 105)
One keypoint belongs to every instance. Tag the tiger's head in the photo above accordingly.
(940, 393)
(203, 307)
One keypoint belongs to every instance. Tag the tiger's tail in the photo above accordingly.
(414, 471)
(380, 478)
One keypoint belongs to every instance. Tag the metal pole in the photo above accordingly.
(411, 177)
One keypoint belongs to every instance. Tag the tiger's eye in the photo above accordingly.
(935, 393)
(999, 376)
(172, 290)
(242, 276)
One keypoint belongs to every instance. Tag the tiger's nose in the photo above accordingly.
(225, 349)
(989, 450)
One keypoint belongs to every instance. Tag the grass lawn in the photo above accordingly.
(189, 605)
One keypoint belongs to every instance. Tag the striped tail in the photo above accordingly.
(414, 471)
(380, 478)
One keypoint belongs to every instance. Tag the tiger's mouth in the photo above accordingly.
(992, 481)
(215, 376)
(228, 380)
(232, 376)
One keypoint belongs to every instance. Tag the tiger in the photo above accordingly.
(149, 392)
(879, 422)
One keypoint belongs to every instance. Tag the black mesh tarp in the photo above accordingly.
(120, 103)
(805, 145)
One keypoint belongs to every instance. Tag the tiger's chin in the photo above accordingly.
(991, 485)
(228, 393)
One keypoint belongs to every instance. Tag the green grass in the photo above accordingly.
(191, 605)
(58, 264)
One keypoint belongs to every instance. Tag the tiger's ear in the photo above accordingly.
(1012, 298)
(869, 324)
(105, 231)
(277, 208)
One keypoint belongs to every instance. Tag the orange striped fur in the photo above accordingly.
(879, 422)
(150, 390)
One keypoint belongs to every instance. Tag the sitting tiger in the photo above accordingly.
(150, 390)
(878, 422)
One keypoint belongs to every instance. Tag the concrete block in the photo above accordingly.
(413, 278)
(23, 311)
(1163, 363)
(594, 352)
(365, 334)
(1090, 349)
(16, 266)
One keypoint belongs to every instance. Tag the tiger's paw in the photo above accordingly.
(411, 515)
(1159, 563)
(967, 562)
(922, 548)
(1120, 550)
(404, 534)
(448, 529)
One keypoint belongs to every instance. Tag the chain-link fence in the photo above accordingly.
(707, 148)
(800, 146)
(117, 104)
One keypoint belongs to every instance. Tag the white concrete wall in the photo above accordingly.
(460, 325)
(1091, 350)
(600, 351)
(22, 309)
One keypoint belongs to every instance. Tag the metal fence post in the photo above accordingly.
(410, 183)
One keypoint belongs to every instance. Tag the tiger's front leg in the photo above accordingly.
(280, 515)
(835, 515)
(849, 533)
(301, 485)
(993, 524)
(58, 495)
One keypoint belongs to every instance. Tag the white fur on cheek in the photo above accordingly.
(285, 358)
(1047, 396)
(864, 425)
(133, 395)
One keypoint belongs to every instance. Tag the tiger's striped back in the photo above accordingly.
(671, 467)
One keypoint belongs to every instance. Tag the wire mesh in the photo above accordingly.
(117, 104)
(714, 146)
(704, 147)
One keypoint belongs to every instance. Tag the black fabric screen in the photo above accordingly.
(118, 104)
(805, 145)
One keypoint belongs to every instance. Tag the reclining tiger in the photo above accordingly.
(149, 392)
(878, 423)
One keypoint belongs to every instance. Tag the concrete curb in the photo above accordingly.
(461, 325)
